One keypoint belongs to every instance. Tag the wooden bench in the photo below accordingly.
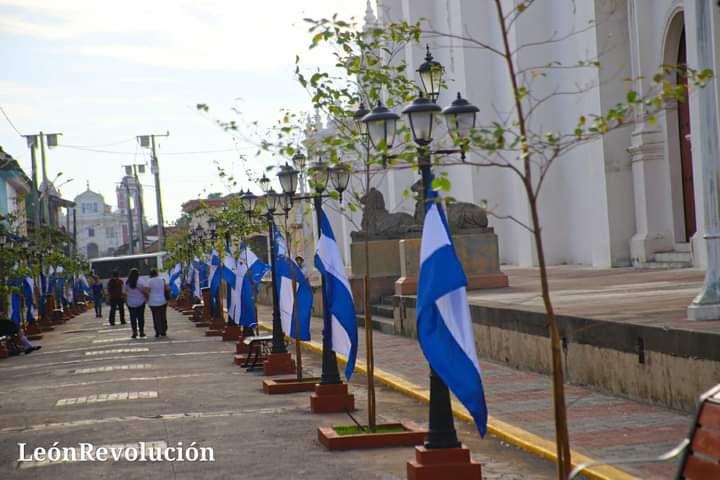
(258, 347)
(700, 450)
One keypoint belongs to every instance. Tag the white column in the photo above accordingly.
(700, 16)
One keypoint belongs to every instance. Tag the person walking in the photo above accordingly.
(97, 295)
(135, 294)
(115, 292)
(157, 299)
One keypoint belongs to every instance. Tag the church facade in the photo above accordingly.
(100, 231)
(633, 197)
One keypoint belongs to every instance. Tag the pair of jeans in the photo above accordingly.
(117, 305)
(159, 315)
(98, 306)
(137, 319)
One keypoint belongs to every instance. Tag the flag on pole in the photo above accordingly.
(28, 292)
(174, 281)
(242, 303)
(443, 316)
(256, 267)
(14, 302)
(338, 296)
(286, 299)
(84, 286)
(216, 272)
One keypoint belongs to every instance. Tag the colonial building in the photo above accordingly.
(14, 187)
(634, 197)
(100, 231)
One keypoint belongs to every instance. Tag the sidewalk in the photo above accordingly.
(520, 407)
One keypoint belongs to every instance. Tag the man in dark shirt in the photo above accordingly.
(115, 293)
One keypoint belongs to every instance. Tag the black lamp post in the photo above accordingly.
(319, 175)
(420, 114)
(248, 201)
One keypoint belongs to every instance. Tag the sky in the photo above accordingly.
(102, 72)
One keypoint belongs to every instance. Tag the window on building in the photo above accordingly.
(91, 232)
(110, 232)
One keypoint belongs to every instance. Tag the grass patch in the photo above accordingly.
(355, 430)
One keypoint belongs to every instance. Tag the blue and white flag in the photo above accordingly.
(443, 316)
(256, 267)
(286, 296)
(229, 269)
(15, 308)
(197, 277)
(338, 296)
(174, 281)
(242, 303)
(216, 272)
(83, 283)
(29, 293)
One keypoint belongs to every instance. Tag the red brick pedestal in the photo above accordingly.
(279, 364)
(230, 334)
(431, 464)
(331, 398)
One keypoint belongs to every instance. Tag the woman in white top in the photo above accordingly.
(135, 292)
(158, 303)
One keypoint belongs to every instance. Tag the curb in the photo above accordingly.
(508, 432)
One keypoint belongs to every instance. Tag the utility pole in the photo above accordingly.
(32, 143)
(149, 141)
(132, 170)
(130, 220)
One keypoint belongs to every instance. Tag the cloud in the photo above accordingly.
(181, 34)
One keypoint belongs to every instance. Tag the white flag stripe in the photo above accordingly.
(455, 313)
(330, 256)
(434, 234)
(340, 340)
(286, 302)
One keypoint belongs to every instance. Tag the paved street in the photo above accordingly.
(601, 426)
(91, 383)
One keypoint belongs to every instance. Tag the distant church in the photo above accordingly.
(100, 230)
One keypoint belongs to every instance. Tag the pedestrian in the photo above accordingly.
(97, 295)
(136, 294)
(17, 339)
(301, 263)
(157, 299)
(115, 292)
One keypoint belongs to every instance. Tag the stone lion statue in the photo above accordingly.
(460, 215)
(382, 224)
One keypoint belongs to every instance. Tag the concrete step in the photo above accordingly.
(673, 257)
(381, 324)
(682, 247)
(384, 311)
(666, 265)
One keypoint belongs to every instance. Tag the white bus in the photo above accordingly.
(104, 266)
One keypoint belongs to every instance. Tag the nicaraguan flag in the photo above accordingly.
(284, 271)
(229, 269)
(28, 293)
(338, 296)
(174, 281)
(243, 302)
(196, 279)
(14, 302)
(443, 316)
(215, 273)
(84, 286)
(256, 267)
(50, 281)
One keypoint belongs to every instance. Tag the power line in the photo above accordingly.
(199, 152)
(10, 121)
(102, 145)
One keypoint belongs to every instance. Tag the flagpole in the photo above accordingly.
(330, 373)
(369, 349)
(296, 319)
(278, 343)
(441, 428)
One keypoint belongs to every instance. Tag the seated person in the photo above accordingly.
(18, 340)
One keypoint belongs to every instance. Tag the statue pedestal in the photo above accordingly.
(477, 251)
(384, 260)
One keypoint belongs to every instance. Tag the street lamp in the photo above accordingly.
(460, 116)
(299, 160)
(358, 116)
(340, 177)
(249, 202)
(420, 115)
(212, 226)
(264, 184)
(431, 73)
(319, 174)
(288, 177)
(381, 125)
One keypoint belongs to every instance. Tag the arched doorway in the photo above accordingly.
(92, 250)
(686, 164)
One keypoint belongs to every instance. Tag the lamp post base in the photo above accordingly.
(436, 463)
(331, 398)
(279, 364)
